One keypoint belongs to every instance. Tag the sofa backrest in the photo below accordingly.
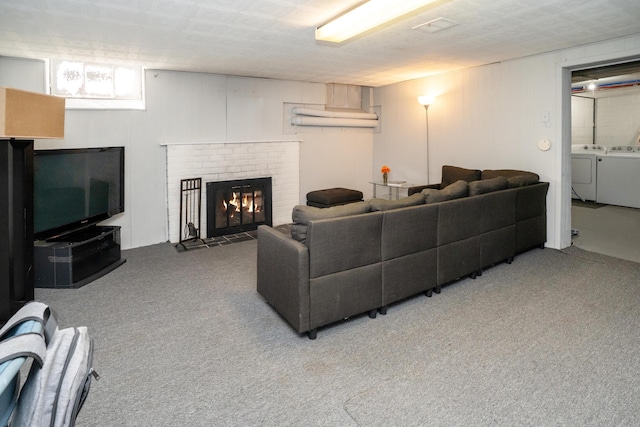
(408, 231)
(471, 182)
(458, 219)
(451, 174)
(344, 243)
(498, 210)
(531, 216)
(531, 201)
(302, 215)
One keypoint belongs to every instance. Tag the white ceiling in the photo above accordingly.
(275, 38)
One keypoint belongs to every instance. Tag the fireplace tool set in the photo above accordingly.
(190, 201)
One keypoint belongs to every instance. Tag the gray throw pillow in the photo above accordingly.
(487, 185)
(456, 190)
(522, 180)
(301, 216)
(384, 204)
(451, 174)
(515, 178)
(299, 232)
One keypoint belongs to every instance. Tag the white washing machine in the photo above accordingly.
(619, 176)
(584, 170)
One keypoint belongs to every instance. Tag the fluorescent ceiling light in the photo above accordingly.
(366, 16)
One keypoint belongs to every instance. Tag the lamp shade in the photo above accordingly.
(30, 115)
(426, 100)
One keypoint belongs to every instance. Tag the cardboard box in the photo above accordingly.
(30, 115)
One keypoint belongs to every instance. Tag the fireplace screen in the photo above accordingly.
(238, 206)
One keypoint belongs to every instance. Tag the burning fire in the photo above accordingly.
(246, 204)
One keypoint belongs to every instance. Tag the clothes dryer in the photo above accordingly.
(584, 170)
(619, 176)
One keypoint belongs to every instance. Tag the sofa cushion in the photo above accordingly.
(301, 216)
(522, 180)
(456, 190)
(384, 204)
(515, 178)
(299, 232)
(487, 185)
(451, 174)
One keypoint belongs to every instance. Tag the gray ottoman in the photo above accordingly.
(333, 197)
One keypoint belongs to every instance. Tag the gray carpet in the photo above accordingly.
(183, 339)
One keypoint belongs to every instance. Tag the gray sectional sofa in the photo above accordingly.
(362, 257)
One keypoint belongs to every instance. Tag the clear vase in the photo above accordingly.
(385, 178)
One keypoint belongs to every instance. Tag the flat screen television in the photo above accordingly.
(76, 188)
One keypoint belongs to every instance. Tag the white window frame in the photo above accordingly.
(79, 103)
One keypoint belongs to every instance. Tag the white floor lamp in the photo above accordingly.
(425, 101)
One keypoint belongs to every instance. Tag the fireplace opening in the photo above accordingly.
(238, 206)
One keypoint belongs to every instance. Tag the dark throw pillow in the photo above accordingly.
(515, 178)
(384, 204)
(522, 180)
(487, 185)
(456, 190)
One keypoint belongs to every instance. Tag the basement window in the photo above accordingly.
(88, 85)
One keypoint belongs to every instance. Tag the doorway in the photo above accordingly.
(605, 113)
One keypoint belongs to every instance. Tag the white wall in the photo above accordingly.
(582, 120)
(187, 107)
(485, 117)
(25, 74)
(618, 118)
(335, 159)
(493, 117)
(489, 117)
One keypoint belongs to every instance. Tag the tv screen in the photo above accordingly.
(76, 188)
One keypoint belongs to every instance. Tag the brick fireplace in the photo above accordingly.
(226, 161)
(237, 206)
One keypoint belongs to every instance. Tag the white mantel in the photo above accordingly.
(262, 141)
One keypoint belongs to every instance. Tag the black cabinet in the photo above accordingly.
(77, 258)
(16, 225)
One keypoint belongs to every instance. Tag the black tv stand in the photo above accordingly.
(81, 235)
(77, 258)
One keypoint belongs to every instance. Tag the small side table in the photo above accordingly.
(391, 186)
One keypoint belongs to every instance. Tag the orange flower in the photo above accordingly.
(385, 169)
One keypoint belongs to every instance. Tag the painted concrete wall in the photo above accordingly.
(582, 120)
(618, 118)
(25, 74)
(184, 107)
(493, 117)
(614, 115)
(486, 117)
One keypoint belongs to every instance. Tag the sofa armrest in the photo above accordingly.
(419, 188)
(283, 276)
